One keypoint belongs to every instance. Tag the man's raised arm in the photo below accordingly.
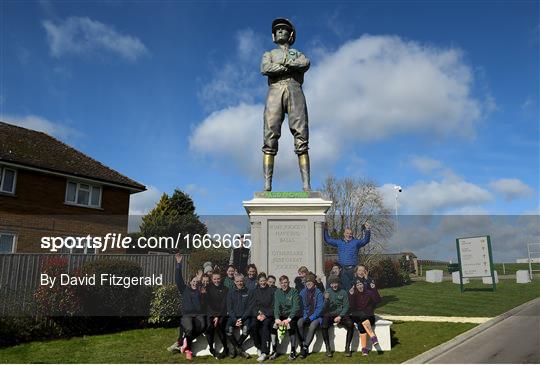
(180, 283)
(364, 240)
(329, 240)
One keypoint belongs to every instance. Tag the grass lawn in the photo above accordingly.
(445, 299)
(149, 346)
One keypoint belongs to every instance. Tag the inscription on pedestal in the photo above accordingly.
(287, 246)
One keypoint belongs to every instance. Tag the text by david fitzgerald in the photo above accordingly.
(102, 279)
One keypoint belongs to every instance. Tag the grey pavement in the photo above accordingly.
(513, 337)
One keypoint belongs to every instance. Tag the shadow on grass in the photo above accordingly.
(393, 340)
(387, 299)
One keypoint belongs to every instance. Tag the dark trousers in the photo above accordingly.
(347, 277)
(220, 329)
(292, 331)
(192, 326)
(244, 332)
(346, 321)
(261, 334)
(307, 334)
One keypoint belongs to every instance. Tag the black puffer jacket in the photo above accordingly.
(262, 301)
(216, 300)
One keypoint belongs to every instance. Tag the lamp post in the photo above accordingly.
(397, 189)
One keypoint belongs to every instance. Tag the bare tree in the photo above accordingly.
(355, 202)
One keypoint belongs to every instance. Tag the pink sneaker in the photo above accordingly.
(189, 355)
(184, 346)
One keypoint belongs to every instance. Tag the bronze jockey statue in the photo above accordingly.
(285, 68)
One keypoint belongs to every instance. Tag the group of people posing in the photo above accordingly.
(240, 306)
(235, 306)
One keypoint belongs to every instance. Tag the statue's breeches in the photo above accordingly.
(285, 97)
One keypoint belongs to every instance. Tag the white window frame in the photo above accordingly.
(157, 253)
(69, 251)
(2, 177)
(85, 252)
(78, 184)
(13, 241)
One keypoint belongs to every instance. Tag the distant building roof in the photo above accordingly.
(35, 149)
(400, 254)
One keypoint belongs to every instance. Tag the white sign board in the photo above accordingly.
(474, 254)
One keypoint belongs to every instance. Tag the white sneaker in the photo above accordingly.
(261, 358)
(259, 352)
(175, 347)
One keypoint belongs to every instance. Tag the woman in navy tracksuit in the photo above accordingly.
(193, 320)
(261, 305)
(313, 303)
(239, 315)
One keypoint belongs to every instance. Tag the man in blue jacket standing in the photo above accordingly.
(348, 251)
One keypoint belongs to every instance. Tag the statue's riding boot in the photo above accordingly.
(268, 170)
(303, 161)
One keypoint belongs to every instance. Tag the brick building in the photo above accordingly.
(48, 188)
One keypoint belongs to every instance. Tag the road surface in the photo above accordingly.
(515, 339)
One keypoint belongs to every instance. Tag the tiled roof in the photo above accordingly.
(39, 150)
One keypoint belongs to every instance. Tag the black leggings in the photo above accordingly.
(260, 332)
(192, 325)
(221, 330)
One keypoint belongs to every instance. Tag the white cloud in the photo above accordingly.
(142, 203)
(41, 124)
(528, 103)
(82, 35)
(236, 80)
(426, 165)
(434, 236)
(368, 89)
(449, 195)
(511, 188)
(194, 189)
(235, 133)
(377, 86)
(249, 44)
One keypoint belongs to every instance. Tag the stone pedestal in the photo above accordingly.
(434, 276)
(522, 277)
(455, 278)
(287, 232)
(489, 279)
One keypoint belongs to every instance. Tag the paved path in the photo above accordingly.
(435, 319)
(513, 337)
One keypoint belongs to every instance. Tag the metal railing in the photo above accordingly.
(533, 249)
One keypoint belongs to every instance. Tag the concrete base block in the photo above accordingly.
(455, 278)
(434, 276)
(522, 277)
(488, 279)
(337, 341)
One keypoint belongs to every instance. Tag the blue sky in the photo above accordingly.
(439, 97)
